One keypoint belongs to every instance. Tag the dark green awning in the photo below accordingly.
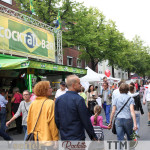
(12, 62)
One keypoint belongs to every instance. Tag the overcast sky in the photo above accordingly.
(132, 17)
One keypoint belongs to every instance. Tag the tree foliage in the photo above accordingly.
(97, 38)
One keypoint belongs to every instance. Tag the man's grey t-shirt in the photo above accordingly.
(23, 108)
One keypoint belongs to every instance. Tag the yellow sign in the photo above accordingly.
(25, 39)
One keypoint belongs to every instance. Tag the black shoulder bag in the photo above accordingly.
(30, 137)
(114, 126)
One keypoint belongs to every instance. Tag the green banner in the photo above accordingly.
(24, 39)
(24, 63)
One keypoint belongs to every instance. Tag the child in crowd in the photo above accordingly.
(97, 122)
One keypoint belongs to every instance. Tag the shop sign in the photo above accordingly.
(74, 70)
(55, 67)
(25, 64)
(43, 65)
(24, 39)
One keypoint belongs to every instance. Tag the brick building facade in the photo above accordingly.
(9, 3)
(71, 58)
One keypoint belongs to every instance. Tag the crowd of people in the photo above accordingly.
(73, 110)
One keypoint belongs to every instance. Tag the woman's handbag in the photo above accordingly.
(114, 126)
(30, 137)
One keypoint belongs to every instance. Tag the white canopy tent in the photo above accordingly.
(96, 78)
(91, 76)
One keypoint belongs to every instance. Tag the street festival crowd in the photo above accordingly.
(73, 110)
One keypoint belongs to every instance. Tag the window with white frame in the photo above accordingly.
(7, 1)
(79, 63)
(69, 61)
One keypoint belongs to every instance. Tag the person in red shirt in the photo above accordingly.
(136, 86)
(17, 98)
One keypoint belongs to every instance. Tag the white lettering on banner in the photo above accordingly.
(43, 43)
(36, 40)
(13, 37)
(7, 33)
(1, 28)
(19, 37)
(25, 38)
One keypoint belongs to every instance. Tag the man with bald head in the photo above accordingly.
(71, 114)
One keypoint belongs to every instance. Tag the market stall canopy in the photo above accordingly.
(135, 76)
(91, 76)
(12, 62)
(114, 79)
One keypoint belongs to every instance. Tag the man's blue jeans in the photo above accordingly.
(124, 126)
(5, 136)
(107, 111)
(25, 132)
(138, 123)
(3, 119)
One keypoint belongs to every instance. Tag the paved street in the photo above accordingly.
(144, 130)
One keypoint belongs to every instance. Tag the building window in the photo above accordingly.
(7, 1)
(122, 75)
(69, 61)
(119, 76)
(79, 63)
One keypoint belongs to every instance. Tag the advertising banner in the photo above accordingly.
(23, 39)
(6, 64)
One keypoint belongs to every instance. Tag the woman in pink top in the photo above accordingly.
(97, 122)
(16, 100)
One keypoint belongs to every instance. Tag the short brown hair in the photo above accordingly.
(122, 81)
(124, 88)
(131, 88)
(82, 89)
(41, 88)
(132, 84)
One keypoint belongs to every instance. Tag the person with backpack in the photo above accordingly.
(137, 107)
(23, 108)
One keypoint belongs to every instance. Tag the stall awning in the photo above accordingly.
(12, 62)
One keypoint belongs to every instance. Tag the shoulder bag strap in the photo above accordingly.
(25, 108)
(122, 107)
(38, 116)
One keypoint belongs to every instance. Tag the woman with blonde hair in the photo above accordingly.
(97, 122)
(42, 124)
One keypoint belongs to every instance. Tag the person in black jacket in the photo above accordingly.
(137, 107)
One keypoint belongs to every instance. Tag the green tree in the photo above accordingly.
(88, 32)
